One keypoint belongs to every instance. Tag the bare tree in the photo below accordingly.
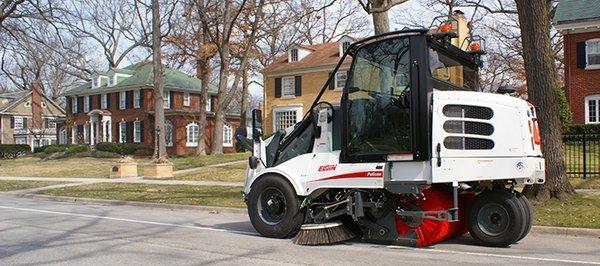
(540, 72)
(379, 11)
(160, 149)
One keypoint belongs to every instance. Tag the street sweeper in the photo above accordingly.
(413, 154)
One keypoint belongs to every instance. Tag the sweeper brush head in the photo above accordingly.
(323, 234)
(429, 232)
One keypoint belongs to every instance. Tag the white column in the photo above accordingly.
(91, 131)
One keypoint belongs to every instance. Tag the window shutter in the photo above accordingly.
(12, 122)
(277, 87)
(99, 101)
(332, 83)
(141, 131)
(141, 98)
(107, 100)
(80, 104)
(90, 102)
(129, 131)
(69, 109)
(172, 99)
(298, 84)
(128, 99)
(25, 122)
(581, 56)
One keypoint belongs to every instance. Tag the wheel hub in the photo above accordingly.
(272, 206)
(493, 219)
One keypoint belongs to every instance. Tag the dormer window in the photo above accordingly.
(345, 46)
(112, 80)
(95, 82)
(294, 54)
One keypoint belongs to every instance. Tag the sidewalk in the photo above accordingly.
(132, 180)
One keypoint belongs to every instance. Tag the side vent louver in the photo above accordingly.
(458, 127)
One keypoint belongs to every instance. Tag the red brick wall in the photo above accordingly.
(179, 121)
(579, 83)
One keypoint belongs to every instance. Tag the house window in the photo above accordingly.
(74, 134)
(51, 124)
(167, 99)
(22, 140)
(294, 55)
(122, 132)
(107, 131)
(122, 100)
(137, 98)
(86, 133)
(74, 105)
(95, 83)
(112, 80)
(19, 122)
(227, 136)
(592, 50)
(186, 99)
(340, 80)
(209, 104)
(104, 103)
(286, 117)
(168, 134)
(288, 89)
(192, 130)
(86, 103)
(345, 46)
(592, 109)
(62, 139)
(137, 131)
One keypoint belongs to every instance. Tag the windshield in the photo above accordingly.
(379, 99)
(449, 73)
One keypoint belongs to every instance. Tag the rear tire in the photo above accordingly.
(496, 218)
(274, 207)
(528, 214)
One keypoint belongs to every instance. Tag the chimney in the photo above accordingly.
(36, 105)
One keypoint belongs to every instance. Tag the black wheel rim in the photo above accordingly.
(271, 206)
(493, 219)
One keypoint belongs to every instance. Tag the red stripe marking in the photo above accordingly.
(366, 174)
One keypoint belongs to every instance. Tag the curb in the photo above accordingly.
(551, 230)
(213, 209)
(566, 231)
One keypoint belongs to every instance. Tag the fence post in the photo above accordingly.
(584, 156)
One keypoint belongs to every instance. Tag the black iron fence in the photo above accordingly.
(582, 155)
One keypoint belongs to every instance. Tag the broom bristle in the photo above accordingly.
(323, 234)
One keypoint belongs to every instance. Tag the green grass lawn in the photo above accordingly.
(174, 194)
(588, 183)
(89, 167)
(229, 173)
(9, 185)
(192, 161)
(581, 210)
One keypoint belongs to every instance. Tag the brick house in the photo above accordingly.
(293, 80)
(579, 22)
(29, 117)
(118, 106)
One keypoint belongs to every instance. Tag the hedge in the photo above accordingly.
(125, 148)
(10, 151)
(53, 148)
(580, 129)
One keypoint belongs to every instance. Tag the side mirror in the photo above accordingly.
(257, 129)
(506, 90)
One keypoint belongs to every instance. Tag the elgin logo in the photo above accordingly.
(375, 174)
(329, 167)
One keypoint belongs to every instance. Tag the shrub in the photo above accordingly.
(10, 151)
(125, 148)
(76, 149)
(563, 109)
(580, 129)
(109, 147)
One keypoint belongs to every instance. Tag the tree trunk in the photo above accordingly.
(203, 73)
(160, 149)
(540, 72)
(381, 22)
(217, 136)
(244, 102)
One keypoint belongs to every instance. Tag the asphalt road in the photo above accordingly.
(41, 232)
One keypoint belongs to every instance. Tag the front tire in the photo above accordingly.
(274, 207)
(496, 218)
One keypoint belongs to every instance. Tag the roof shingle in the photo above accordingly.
(322, 54)
(576, 10)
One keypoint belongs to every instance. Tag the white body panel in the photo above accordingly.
(513, 156)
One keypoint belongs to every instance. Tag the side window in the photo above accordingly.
(379, 100)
